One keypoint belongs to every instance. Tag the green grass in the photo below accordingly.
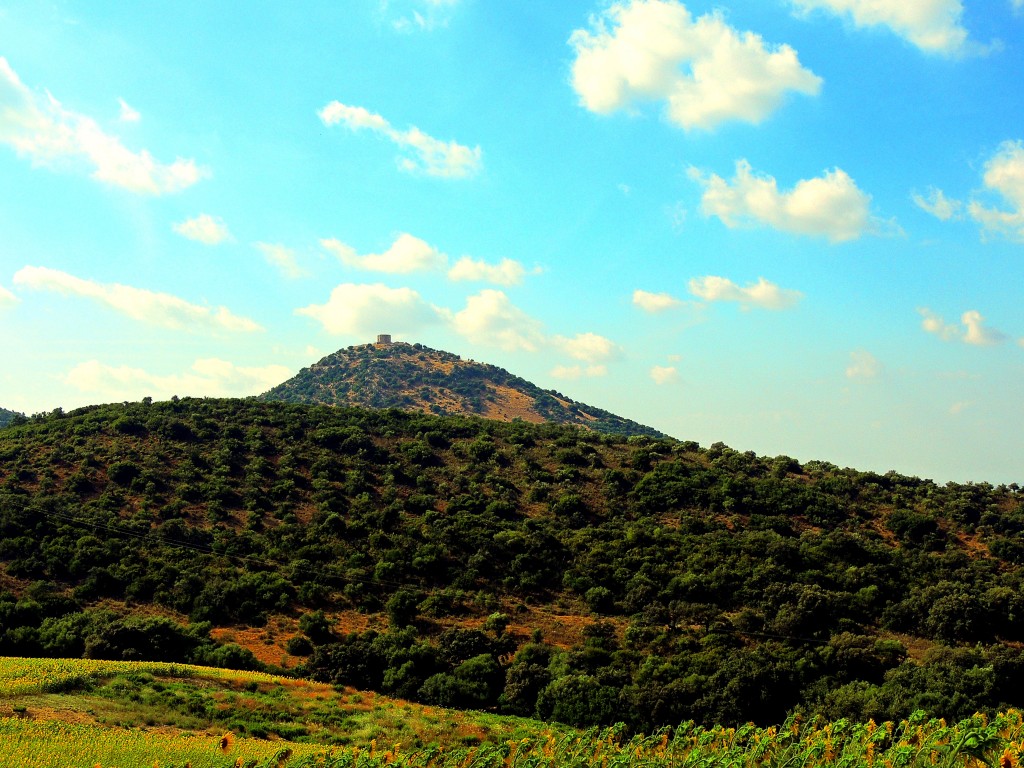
(82, 714)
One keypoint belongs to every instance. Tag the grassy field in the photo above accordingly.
(83, 714)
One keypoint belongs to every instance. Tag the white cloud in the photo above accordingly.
(203, 228)
(209, 377)
(1004, 174)
(664, 374)
(706, 71)
(973, 330)
(366, 310)
(934, 324)
(934, 26)
(863, 365)
(588, 347)
(406, 254)
(938, 205)
(423, 15)
(491, 319)
(507, 272)
(829, 206)
(655, 302)
(137, 303)
(41, 129)
(424, 153)
(959, 407)
(579, 371)
(283, 258)
(763, 294)
(128, 114)
(7, 298)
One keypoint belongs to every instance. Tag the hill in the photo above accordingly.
(417, 378)
(536, 569)
(7, 416)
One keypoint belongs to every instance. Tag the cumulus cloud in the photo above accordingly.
(829, 206)
(863, 365)
(706, 71)
(423, 153)
(971, 331)
(366, 310)
(938, 205)
(406, 254)
(1004, 174)
(491, 319)
(579, 371)
(7, 298)
(934, 26)
(655, 302)
(507, 272)
(208, 377)
(588, 347)
(203, 228)
(42, 130)
(283, 258)
(664, 374)
(762, 294)
(161, 309)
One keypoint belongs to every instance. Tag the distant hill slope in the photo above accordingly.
(6, 416)
(412, 377)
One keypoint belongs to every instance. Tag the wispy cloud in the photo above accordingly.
(938, 205)
(706, 71)
(971, 331)
(1004, 175)
(7, 299)
(406, 254)
(423, 153)
(127, 114)
(664, 374)
(283, 258)
(863, 365)
(412, 254)
(829, 206)
(762, 294)
(579, 371)
(208, 377)
(655, 302)
(934, 26)
(419, 15)
(161, 309)
(41, 129)
(506, 272)
(203, 228)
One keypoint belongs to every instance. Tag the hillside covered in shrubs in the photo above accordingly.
(535, 569)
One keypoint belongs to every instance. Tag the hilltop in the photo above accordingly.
(412, 377)
(535, 569)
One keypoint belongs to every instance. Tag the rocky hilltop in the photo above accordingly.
(413, 377)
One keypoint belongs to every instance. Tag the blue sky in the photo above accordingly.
(794, 226)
